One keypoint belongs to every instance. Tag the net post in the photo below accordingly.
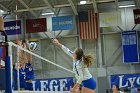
(11, 62)
(7, 67)
(7, 59)
(18, 80)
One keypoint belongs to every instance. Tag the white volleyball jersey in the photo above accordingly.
(80, 69)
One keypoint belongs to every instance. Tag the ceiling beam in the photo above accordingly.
(95, 6)
(40, 8)
(116, 3)
(9, 5)
(73, 7)
(50, 6)
(59, 6)
(105, 1)
(25, 5)
(137, 3)
(31, 2)
(3, 7)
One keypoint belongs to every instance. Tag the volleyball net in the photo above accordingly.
(39, 71)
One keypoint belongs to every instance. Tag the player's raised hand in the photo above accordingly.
(55, 41)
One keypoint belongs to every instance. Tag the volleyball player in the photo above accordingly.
(22, 76)
(29, 72)
(20, 65)
(26, 72)
(116, 89)
(81, 63)
(29, 77)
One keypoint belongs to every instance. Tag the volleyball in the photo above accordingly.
(32, 45)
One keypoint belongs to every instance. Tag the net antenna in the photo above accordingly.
(18, 50)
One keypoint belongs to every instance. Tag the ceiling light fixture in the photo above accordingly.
(83, 2)
(125, 6)
(1, 11)
(48, 13)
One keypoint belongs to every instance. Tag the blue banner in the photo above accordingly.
(56, 84)
(10, 27)
(125, 80)
(130, 47)
(0, 55)
(62, 23)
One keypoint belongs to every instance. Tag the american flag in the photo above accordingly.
(88, 25)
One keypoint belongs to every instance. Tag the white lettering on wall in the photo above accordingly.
(12, 28)
(138, 81)
(51, 85)
(131, 80)
(121, 82)
(43, 85)
(63, 83)
(126, 82)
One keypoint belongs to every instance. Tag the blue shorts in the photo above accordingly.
(90, 83)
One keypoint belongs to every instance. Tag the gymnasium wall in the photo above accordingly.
(111, 47)
(110, 44)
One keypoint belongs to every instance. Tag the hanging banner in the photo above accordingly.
(0, 55)
(56, 84)
(10, 27)
(130, 47)
(125, 80)
(1, 24)
(88, 24)
(62, 23)
(136, 16)
(36, 25)
(110, 19)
